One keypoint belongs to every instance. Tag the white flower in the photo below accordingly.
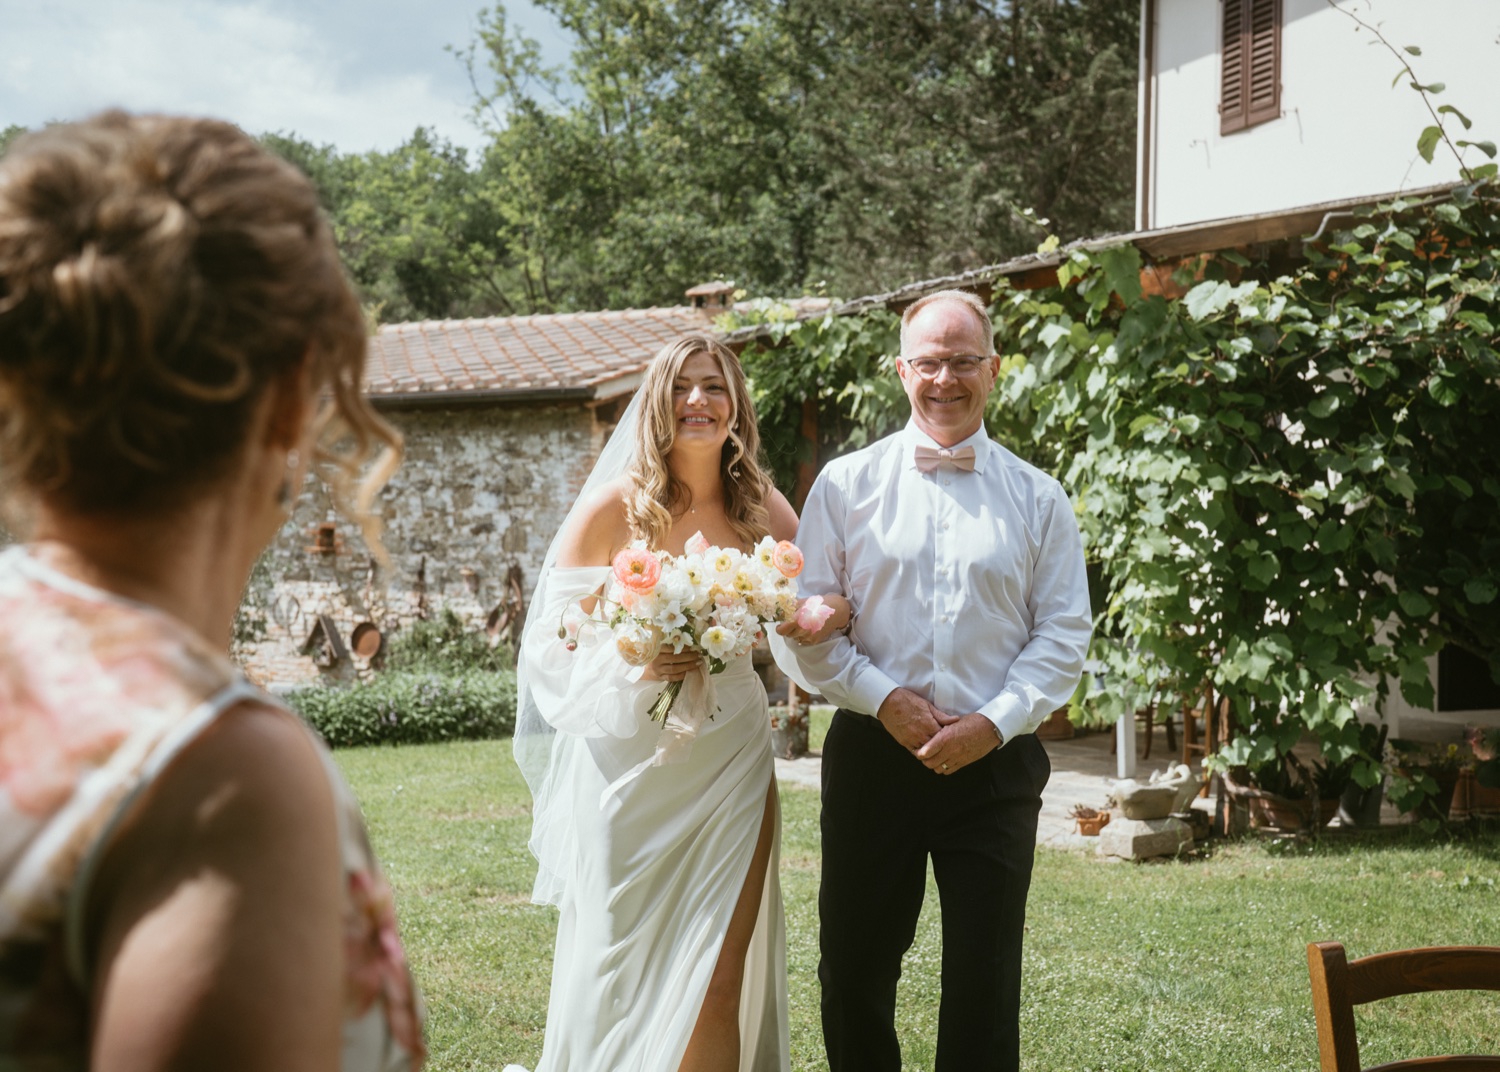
(718, 642)
(722, 562)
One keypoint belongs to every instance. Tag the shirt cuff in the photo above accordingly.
(870, 689)
(1009, 715)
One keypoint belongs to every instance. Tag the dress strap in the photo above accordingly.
(166, 750)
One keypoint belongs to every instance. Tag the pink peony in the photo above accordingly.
(696, 544)
(637, 569)
(813, 614)
(787, 558)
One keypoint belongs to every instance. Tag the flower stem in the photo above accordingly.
(663, 705)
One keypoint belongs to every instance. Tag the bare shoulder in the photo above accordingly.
(783, 518)
(256, 771)
(224, 886)
(598, 528)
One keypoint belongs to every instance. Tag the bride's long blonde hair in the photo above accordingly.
(655, 495)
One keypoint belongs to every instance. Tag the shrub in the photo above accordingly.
(412, 708)
(444, 645)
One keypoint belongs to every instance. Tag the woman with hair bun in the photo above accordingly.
(662, 860)
(184, 877)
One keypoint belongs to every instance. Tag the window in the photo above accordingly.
(1250, 82)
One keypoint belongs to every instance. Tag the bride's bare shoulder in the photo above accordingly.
(782, 517)
(598, 527)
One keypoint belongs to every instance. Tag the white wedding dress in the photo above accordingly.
(644, 841)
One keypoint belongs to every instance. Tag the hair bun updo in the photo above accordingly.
(156, 274)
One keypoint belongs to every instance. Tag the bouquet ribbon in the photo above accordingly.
(694, 705)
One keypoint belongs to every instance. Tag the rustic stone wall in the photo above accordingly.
(479, 496)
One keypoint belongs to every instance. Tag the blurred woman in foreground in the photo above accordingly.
(184, 877)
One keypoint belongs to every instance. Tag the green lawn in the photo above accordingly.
(1198, 965)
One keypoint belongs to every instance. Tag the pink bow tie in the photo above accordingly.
(929, 458)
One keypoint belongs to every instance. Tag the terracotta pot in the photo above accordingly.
(1091, 825)
(1057, 727)
(1472, 800)
(1271, 812)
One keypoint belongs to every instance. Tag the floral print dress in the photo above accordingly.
(97, 695)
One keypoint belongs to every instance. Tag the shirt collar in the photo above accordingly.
(914, 437)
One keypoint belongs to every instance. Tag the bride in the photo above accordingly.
(662, 862)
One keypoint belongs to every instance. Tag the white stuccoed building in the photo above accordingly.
(1257, 106)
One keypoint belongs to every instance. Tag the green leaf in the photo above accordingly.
(1264, 567)
(1122, 270)
(1461, 117)
(1485, 147)
(1414, 603)
(1325, 405)
(1481, 590)
(1443, 390)
(1401, 484)
(1413, 50)
(1484, 171)
(1462, 486)
(1207, 298)
(1478, 321)
(1430, 87)
(1427, 142)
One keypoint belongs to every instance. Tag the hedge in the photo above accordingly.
(412, 708)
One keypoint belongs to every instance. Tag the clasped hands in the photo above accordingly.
(943, 743)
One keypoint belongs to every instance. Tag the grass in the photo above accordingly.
(1195, 965)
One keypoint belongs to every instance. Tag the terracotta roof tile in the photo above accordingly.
(521, 353)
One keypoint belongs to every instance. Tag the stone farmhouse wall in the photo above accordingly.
(480, 494)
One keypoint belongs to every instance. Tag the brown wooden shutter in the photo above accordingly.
(1250, 82)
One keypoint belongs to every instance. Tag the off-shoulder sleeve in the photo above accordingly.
(589, 691)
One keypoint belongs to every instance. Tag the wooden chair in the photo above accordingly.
(1339, 984)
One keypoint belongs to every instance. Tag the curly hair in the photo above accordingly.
(655, 494)
(156, 275)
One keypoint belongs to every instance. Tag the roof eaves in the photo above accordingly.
(481, 396)
(1203, 237)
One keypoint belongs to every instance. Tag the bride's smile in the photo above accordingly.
(701, 401)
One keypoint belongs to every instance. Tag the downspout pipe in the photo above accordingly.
(1145, 196)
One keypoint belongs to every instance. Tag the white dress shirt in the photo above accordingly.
(968, 587)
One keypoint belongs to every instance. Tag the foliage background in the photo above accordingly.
(1284, 462)
(842, 147)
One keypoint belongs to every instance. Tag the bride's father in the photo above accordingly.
(966, 573)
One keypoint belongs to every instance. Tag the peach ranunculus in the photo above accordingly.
(697, 544)
(788, 559)
(813, 614)
(638, 644)
(637, 569)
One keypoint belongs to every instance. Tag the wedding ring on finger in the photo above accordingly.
(945, 766)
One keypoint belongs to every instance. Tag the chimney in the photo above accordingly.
(712, 298)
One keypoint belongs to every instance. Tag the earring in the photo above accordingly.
(284, 489)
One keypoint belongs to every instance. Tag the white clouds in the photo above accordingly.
(360, 79)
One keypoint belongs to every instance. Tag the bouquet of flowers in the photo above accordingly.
(712, 600)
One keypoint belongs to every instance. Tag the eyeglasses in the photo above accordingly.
(929, 367)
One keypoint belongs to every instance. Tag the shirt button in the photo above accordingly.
(945, 524)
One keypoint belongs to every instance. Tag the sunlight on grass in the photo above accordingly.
(1175, 966)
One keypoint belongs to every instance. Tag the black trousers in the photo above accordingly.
(883, 815)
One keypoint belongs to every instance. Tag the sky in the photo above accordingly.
(357, 74)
